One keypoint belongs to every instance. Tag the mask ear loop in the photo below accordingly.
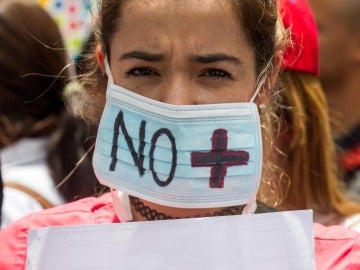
(108, 71)
(261, 80)
(121, 202)
(250, 208)
(260, 84)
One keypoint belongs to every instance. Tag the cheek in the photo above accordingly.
(235, 93)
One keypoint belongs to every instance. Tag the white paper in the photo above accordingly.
(279, 241)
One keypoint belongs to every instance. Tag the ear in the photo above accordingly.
(100, 58)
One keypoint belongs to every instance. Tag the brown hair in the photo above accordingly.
(309, 150)
(34, 68)
(32, 72)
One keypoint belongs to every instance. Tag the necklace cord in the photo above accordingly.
(151, 214)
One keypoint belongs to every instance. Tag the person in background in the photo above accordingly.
(308, 151)
(40, 142)
(339, 34)
(182, 106)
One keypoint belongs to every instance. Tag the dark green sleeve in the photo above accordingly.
(263, 208)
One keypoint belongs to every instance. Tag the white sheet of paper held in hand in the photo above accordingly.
(279, 241)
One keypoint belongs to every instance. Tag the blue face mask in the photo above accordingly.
(192, 156)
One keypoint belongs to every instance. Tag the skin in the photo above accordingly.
(339, 45)
(155, 54)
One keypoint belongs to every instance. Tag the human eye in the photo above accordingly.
(216, 74)
(141, 72)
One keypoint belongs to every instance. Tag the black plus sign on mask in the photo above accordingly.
(219, 158)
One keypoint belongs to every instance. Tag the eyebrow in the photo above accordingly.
(213, 58)
(141, 55)
(202, 59)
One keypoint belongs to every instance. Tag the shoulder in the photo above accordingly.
(336, 247)
(13, 238)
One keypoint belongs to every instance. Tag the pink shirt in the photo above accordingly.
(335, 247)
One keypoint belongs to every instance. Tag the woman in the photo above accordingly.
(40, 142)
(181, 79)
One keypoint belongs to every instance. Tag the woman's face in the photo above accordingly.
(183, 52)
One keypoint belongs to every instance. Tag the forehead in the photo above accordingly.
(177, 18)
(179, 11)
(175, 7)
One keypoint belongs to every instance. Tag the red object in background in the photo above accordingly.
(350, 160)
(303, 53)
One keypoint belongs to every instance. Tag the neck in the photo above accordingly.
(144, 210)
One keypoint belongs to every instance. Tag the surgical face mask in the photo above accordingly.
(191, 156)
